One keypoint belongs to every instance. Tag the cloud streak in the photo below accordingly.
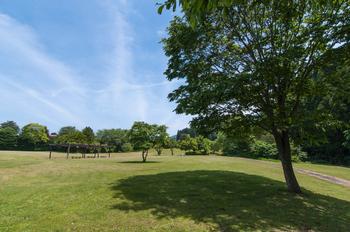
(26, 68)
(44, 88)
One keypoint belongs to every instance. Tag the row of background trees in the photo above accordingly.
(142, 136)
(31, 137)
(35, 136)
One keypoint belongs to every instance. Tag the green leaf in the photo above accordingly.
(160, 9)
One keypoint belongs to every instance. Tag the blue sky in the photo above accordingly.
(93, 63)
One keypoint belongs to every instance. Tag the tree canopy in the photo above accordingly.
(8, 138)
(67, 130)
(114, 137)
(34, 134)
(186, 131)
(196, 9)
(69, 134)
(89, 135)
(10, 124)
(161, 138)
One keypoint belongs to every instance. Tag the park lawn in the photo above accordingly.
(168, 193)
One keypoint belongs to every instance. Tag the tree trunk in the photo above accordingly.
(144, 155)
(284, 152)
(172, 151)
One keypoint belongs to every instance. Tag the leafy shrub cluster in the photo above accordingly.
(198, 145)
(261, 149)
(257, 148)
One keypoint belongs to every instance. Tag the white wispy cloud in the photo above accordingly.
(125, 96)
(40, 86)
(40, 98)
(21, 42)
(27, 69)
(146, 101)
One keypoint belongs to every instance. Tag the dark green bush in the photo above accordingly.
(196, 153)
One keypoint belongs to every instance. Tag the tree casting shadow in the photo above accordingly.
(232, 201)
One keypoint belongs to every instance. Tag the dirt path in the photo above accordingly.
(332, 179)
(321, 176)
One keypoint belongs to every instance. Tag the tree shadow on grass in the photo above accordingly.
(232, 201)
(138, 162)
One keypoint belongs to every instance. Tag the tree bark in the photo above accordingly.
(284, 152)
(144, 155)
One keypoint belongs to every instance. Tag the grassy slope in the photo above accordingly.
(176, 193)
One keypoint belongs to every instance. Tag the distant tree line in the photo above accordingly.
(35, 137)
(142, 136)
(31, 137)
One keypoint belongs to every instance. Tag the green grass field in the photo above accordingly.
(169, 193)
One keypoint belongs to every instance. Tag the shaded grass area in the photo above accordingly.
(232, 201)
(170, 193)
(138, 162)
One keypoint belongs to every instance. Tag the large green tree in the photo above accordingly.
(145, 136)
(8, 138)
(251, 63)
(33, 135)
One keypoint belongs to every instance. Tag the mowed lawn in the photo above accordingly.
(168, 193)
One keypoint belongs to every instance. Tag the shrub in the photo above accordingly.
(298, 154)
(127, 147)
(237, 146)
(203, 145)
(188, 144)
(261, 149)
(193, 153)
